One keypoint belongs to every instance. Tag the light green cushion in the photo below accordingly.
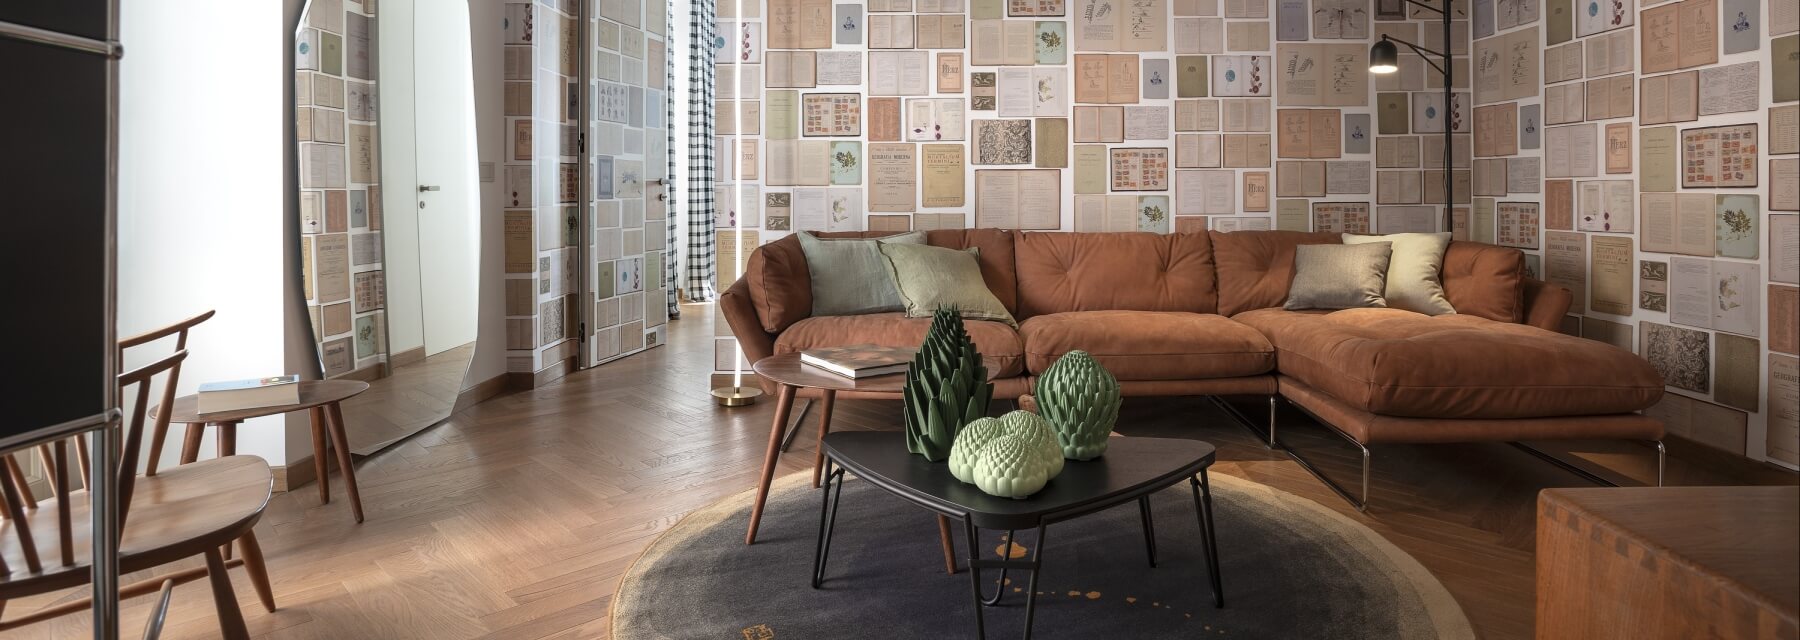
(849, 277)
(931, 277)
(1338, 276)
(1413, 283)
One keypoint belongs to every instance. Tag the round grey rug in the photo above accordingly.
(1291, 568)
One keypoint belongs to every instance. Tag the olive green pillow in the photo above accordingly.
(1339, 276)
(931, 277)
(849, 277)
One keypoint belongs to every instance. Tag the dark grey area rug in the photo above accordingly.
(1292, 569)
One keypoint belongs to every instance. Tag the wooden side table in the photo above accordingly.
(320, 397)
(790, 375)
(1668, 562)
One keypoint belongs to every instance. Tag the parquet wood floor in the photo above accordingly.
(516, 517)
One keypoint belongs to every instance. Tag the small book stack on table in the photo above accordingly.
(254, 393)
(859, 361)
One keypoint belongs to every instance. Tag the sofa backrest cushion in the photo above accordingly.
(1061, 272)
(1256, 267)
(781, 287)
(1485, 280)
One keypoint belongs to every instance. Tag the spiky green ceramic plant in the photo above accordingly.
(1080, 398)
(946, 387)
(1012, 456)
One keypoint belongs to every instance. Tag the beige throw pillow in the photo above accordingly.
(930, 277)
(1413, 282)
(1338, 276)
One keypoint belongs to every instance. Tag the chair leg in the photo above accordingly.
(231, 620)
(18, 477)
(259, 572)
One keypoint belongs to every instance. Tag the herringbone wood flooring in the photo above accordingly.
(516, 518)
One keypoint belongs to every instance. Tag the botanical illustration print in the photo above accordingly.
(1051, 42)
(1003, 142)
(846, 163)
(1737, 232)
(1731, 292)
(1680, 355)
(1153, 214)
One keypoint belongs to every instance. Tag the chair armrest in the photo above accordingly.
(740, 313)
(1546, 304)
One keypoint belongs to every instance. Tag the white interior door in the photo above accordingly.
(447, 189)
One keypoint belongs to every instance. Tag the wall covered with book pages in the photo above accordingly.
(340, 190)
(1651, 168)
(542, 173)
(1078, 115)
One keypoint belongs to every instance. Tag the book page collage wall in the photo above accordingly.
(542, 178)
(1077, 115)
(1654, 175)
(340, 191)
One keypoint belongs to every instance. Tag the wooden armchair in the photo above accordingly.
(189, 510)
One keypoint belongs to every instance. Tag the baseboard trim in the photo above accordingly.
(521, 381)
(480, 392)
(409, 356)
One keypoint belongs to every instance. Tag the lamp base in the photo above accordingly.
(736, 396)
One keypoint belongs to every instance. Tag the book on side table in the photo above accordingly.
(254, 393)
(859, 361)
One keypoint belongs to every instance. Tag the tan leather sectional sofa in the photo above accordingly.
(1200, 314)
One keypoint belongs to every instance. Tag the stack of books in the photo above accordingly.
(255, 393)
(859, 361)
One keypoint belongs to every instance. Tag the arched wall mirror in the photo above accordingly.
(389, 201)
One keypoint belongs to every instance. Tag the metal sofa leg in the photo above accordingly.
(1274, 406)
(1662, 456)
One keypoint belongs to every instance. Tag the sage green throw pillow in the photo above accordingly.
(1413, 283)
(849, 277)
(1339, 276)
(931, 277)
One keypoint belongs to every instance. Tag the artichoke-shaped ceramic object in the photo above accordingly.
(1080, 398)
(1012, 456)
(946, 387)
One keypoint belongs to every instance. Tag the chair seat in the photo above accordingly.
(175, 514)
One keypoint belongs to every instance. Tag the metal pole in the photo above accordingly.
(102, 489)
(1449, 110)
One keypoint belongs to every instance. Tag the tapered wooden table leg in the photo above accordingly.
(824, 427)
(784, 402)
(190, 442)
(341, 443)
(321, 466)
(227, 446)
(949, 548)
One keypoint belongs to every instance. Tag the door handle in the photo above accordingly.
(429, 187)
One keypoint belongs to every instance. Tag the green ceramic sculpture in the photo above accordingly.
(946, 387)
(1012, 456)
(1080, 398)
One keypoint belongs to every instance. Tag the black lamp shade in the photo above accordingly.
(1384, 57)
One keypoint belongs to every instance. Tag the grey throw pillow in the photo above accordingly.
(850, 277)
(1339, 276)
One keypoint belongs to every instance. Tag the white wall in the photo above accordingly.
(201, 213)
(490, 143)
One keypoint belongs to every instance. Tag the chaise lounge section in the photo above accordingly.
(1200, 314)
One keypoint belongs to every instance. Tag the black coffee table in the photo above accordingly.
(1132, 469)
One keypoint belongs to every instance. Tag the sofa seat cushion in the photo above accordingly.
(1399, 363)
(1149, 345)
(999, 345)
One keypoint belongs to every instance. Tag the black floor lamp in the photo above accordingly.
(1384, 58)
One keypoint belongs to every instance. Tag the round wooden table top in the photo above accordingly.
(313, 393)
(787, 369)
